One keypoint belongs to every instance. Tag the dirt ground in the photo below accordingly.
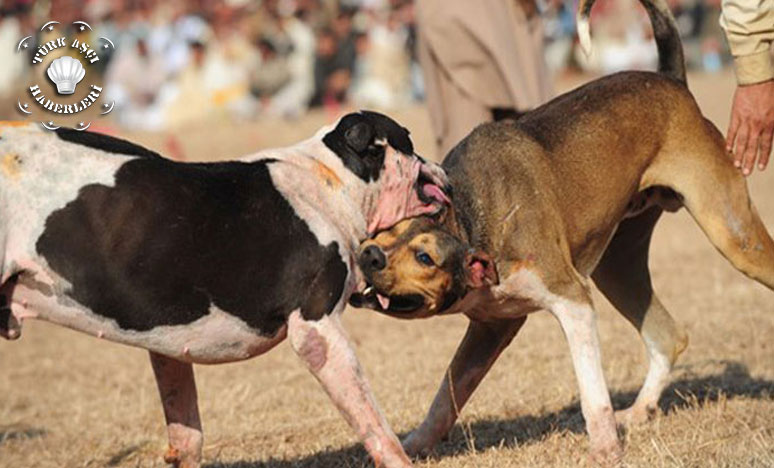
(69, 400)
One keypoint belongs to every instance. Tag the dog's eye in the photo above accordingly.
(425, 259)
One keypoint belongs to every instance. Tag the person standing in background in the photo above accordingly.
(749, 26)
(482, 61)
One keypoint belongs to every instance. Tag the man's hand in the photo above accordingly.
(752, 126)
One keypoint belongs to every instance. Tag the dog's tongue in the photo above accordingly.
(433, 191)
(383, 301)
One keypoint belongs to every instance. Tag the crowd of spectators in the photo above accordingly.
(180, 60)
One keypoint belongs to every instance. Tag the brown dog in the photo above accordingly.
(572, 190)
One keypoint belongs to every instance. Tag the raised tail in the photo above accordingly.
(671, 61)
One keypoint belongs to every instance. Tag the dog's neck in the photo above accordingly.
(311, 176)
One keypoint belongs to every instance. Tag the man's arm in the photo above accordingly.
(749, 26)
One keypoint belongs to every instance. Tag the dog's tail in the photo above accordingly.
(671, 61)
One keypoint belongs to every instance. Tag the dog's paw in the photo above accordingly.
(10, 328)
(607, 456)
(177, 459)
(417, 446)
(394, 461)
(387, 453)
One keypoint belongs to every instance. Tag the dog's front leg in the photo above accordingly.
(325, 348)
(578, 322)
(482, 344)
(177, 388)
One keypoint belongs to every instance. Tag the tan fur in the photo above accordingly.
(416, 276)
(327, 175)
(13, 123)
(404, 274)
(10, 164)
(573, 190)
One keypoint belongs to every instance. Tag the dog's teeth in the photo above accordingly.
(368, 290)
(384, 301)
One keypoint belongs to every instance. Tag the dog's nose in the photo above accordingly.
(373, 259)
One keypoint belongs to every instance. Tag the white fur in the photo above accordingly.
(523, 290)
(334, 203)
(50, 172)
(584, 34)
(658, 375)
(216, 337)
(49, 175)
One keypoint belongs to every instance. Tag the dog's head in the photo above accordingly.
(418, 269)
(380, 153)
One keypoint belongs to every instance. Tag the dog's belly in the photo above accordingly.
(663, 197)
(215, 338)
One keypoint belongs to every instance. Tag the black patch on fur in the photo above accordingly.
(171, 239)
(104, 143)
(671, 59)
(5, 313)
(354, 141)
(448, 300)
(506, 113)
(326, 289)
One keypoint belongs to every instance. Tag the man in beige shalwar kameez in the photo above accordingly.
(482, 59)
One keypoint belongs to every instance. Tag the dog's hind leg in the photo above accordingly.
(177, 388)
(623, 277)
(10, 325)
(479, 349)
(715, 193)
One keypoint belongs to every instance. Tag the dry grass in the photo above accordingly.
(68, 400)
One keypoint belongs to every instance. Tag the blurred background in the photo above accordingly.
(181, 64)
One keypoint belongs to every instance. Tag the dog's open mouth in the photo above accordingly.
(396, 304)
(429, 190)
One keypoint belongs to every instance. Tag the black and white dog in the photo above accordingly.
(207, 263)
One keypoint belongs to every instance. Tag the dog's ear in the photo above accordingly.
(359, 136)
(480, 270)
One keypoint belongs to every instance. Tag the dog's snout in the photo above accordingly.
(373, 259)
